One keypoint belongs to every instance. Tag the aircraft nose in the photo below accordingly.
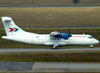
(96, 41)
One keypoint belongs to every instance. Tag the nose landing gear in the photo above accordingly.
(91, 46)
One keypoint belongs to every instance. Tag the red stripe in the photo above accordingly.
(11, 29)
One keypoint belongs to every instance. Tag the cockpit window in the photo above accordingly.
(90, 37)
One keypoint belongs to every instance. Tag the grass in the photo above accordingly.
(52, 57)
(53, 16)
(92, 31)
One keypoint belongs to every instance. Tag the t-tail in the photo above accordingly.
(10, 28)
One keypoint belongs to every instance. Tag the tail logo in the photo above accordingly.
(13, 29)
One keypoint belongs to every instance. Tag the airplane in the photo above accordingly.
(15, 33)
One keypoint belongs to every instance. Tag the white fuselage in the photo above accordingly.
(15, 33)
(46, 39)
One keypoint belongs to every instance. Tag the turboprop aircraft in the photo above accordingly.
(55, 38)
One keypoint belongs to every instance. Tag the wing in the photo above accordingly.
(60, 35)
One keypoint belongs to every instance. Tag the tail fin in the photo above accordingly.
(10, 27)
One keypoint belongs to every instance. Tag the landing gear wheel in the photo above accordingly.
(91, 46)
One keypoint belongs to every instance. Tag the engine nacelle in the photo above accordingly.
(60, 35)
(63, 35)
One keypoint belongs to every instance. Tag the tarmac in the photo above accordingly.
(48, 67)
(57, 26)
(20, 50)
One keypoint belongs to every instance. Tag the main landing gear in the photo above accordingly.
(54, 46)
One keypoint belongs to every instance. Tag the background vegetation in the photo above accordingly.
(53, 16)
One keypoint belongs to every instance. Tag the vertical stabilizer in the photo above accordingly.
(10, 27)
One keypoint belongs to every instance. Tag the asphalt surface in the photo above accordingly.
(51, 6)
(57, 26)
(60, 26)
(65, 67)
(49, 67)
(16, 66)
(7, 50)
